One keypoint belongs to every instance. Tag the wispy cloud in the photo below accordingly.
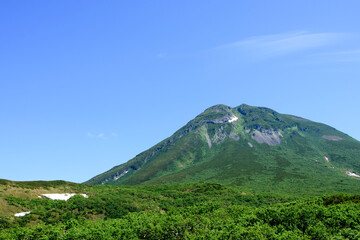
(339, 56)
(101, 135)
(268, 46)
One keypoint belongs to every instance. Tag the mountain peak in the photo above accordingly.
(218, 108)
(255, 147)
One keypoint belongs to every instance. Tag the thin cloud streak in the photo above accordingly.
(269, 46)
(339, 56)
(101, 135)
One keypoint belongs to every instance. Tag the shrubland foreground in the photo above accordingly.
(179, 211)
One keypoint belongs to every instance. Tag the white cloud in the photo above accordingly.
(102, 135)
(268, 46)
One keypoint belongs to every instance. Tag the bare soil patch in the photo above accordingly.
(332, 138)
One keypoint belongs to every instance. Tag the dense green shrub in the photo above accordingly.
(183, 211)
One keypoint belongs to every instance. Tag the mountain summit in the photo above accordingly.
(255, 148)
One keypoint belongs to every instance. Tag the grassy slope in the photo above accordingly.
(30, 190)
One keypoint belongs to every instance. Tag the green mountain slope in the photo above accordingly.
(252, 147)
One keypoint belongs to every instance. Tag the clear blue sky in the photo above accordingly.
(87, 85)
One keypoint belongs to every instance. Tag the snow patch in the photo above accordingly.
(351, 174)
(21, 214)
(233, 119)
(62, 196)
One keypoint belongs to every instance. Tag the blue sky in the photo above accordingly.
(87, 85)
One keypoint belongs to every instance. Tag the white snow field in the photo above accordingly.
(233, 119)
(352, 174)
(21, 214)
(62, 196)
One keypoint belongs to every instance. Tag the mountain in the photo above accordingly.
(255, 148)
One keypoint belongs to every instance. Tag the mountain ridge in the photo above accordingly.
(228, 145)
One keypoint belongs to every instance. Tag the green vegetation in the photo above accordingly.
(182, 211)
(211, 149)
(37, 184)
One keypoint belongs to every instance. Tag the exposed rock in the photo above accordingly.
(332, 138)
(117, 176)
(208, 139)
(220, 135)
(268, 136)
(234, 135)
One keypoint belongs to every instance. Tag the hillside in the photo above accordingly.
(255, 148)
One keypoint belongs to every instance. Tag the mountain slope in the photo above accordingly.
(252, 147)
